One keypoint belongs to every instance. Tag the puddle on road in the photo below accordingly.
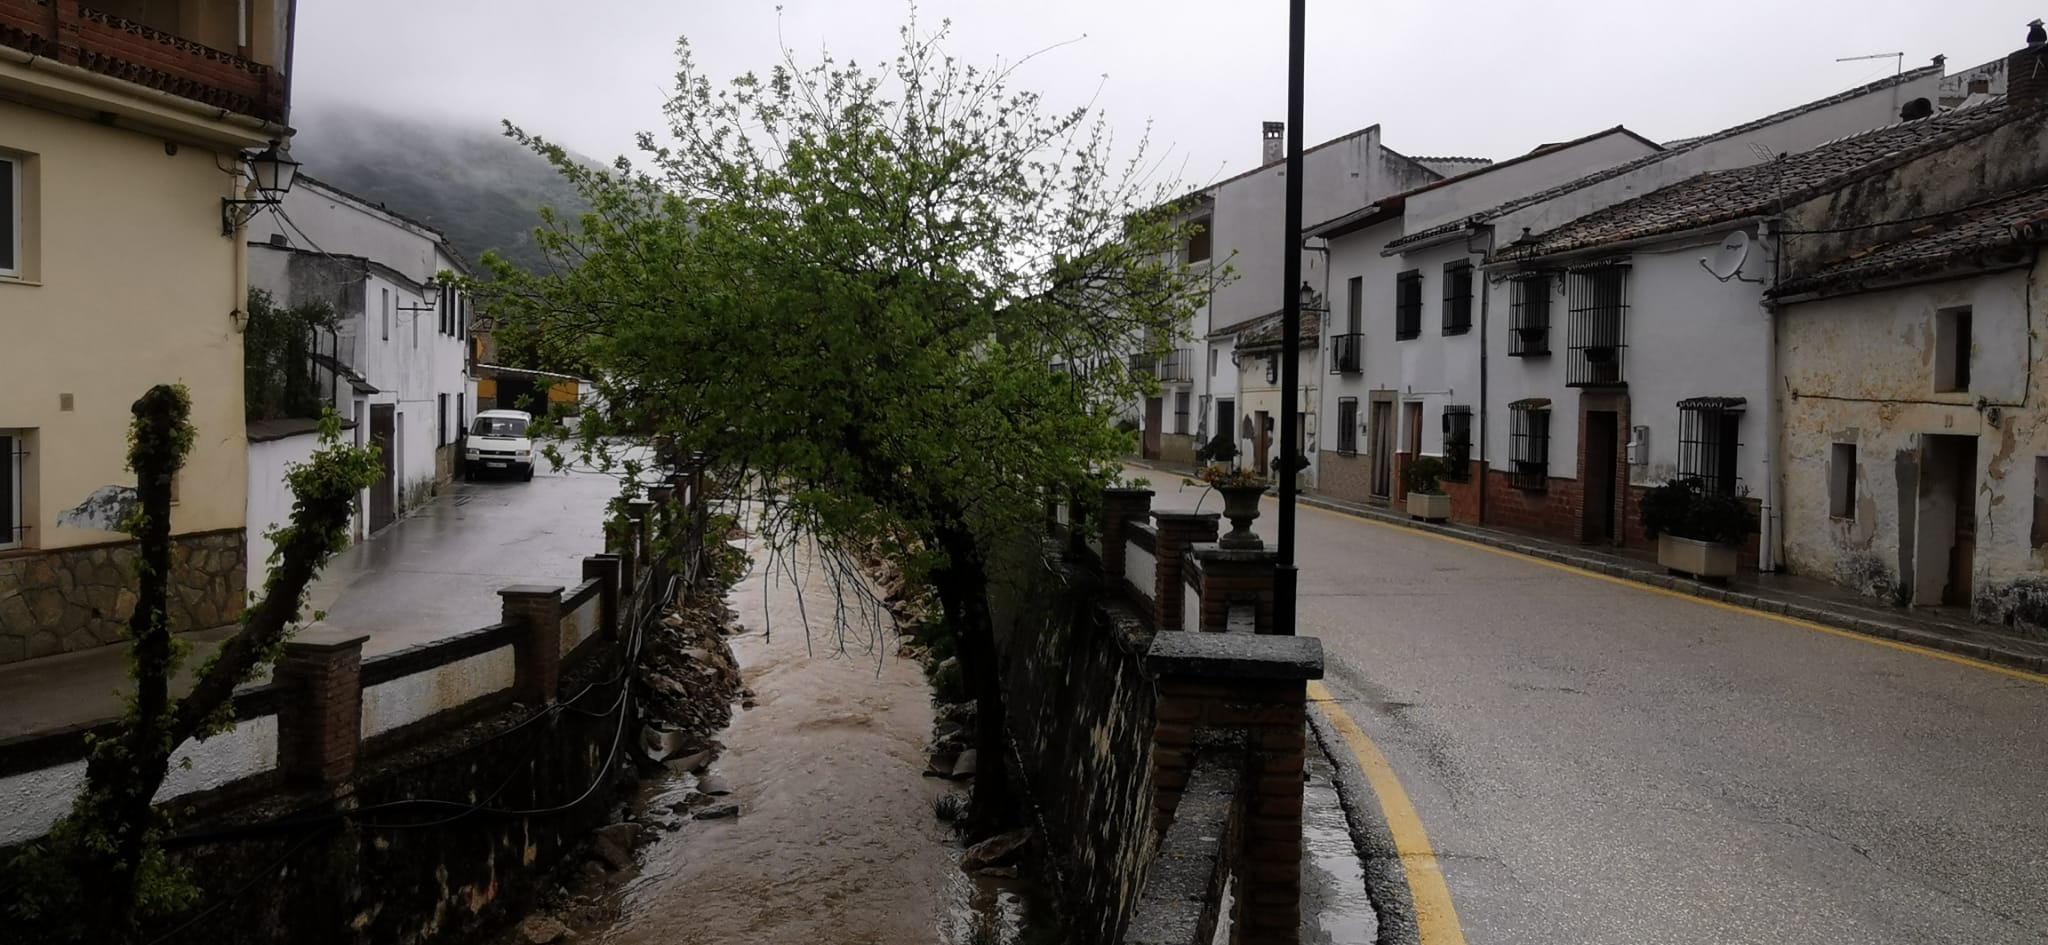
(1335, 907)
(836, 840)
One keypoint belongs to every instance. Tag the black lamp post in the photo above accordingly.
(1285, 574)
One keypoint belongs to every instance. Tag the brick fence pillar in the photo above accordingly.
(1178, 532)
(537, 654)
(1256, 686)
(1232, 577)
(320, 721)
(1119, 504)
(605, 569)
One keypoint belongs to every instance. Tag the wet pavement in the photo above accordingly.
(836, 839)
(1598, 763)
(437, 572)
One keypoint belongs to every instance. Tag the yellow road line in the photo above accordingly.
(1436, 920)
(1956, 658)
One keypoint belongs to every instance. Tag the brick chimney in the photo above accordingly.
(2026, 74)
(1274, 139)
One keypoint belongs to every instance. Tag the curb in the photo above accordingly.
(1883, 629)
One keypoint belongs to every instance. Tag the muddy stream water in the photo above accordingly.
(836, 840)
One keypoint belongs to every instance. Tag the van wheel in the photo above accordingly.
(529, 474)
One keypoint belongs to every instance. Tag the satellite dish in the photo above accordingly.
(1728, 260)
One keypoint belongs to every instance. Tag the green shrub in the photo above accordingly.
(1425, 475)
(1221, 448)
(1683, 508)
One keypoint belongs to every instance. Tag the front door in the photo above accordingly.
(383, 436)
(1382, 447)
(1226, 419)
(1946, 541)
(1155, 414)
(1597, 472)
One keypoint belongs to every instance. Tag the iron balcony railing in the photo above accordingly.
(1347, 353)
(1178, 365)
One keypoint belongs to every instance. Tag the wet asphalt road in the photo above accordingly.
(1598, 763)
(437, 572)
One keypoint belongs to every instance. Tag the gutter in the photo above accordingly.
(1608, 249)
(1462, 233)
(199, 120)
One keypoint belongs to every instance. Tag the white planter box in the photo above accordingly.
(1698, 558)
(1429, 508)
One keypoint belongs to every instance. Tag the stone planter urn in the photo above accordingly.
(1706, 560)
(1429, 508)
(1241, 506)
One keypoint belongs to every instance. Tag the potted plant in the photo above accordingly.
(1241, 489)
(1426, 498)
(1220, 450)
(1697, 531)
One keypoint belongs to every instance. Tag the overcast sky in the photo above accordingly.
(1487, 78)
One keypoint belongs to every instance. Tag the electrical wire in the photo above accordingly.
(239, 891)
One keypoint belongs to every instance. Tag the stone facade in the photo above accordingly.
(74, 599)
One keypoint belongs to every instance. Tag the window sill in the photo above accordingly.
(1448, 332)
(19, 280)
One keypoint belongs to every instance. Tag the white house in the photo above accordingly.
(394, 366)
(1240, 224)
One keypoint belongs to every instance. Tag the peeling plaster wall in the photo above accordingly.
(392, 705)
(1878, 348)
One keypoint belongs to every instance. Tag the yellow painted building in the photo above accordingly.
(122, 129)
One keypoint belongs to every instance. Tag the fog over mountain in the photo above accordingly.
(479, 188)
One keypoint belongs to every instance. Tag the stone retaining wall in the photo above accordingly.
(74, 599)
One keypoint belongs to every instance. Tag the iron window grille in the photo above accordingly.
(1408, 305)
(1178, 365)
(1180, 413)
(1596, 326)
(1457, 297)
(1529, 443)
(1347, 353)
(1347, 426)
(1529, 316)
(1709, 439)
(1273, 369)
(1457, 443)
(13, 467)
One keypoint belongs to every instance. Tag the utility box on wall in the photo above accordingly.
(1638, 446)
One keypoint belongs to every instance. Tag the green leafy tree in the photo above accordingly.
(277, 362)
(849, 287)
(101, 872)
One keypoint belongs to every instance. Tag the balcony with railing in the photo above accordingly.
(1347, 353)
(154, 46)
(1178, 366)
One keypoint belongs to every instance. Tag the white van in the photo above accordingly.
(498, 444)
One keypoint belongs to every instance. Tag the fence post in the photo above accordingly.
(1233, 577)
(605, 568)
(1178, 532)
(1119, 504)
(537, 652)
(1257, 685)
(320, 721)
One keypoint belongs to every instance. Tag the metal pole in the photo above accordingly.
(1285, 574)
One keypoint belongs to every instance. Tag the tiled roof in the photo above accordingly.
(1268, 330)
(1758, 189)
(1423, 236)
(1687, 144)
(1941, 243)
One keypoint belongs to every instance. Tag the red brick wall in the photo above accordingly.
(1554, 511)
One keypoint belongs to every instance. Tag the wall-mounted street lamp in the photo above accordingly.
(430, 293)
(272, 173)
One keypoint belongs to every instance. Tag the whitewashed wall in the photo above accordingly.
(270, 500)
(30, 802)
(582, 623)
(400, 702)
(1141, 568)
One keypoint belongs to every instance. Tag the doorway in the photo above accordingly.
(1262, 440)
(383, 436)
(1155, 414)
(1226, 419)
(1603, 428)
(1381, 423)
(1945, 543)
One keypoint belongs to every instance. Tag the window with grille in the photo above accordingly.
(1347, 426)
(1596, 326)
(1180, 413)
(1529, 443)
(1408, 305)
(13, 470)
(1273, 369)
(1529, 316)
(1457, 297)
(1709, 439)
(1457, 443)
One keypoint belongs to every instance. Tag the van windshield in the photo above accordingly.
(498, 426)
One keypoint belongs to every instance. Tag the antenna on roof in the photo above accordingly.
(1900, 69)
